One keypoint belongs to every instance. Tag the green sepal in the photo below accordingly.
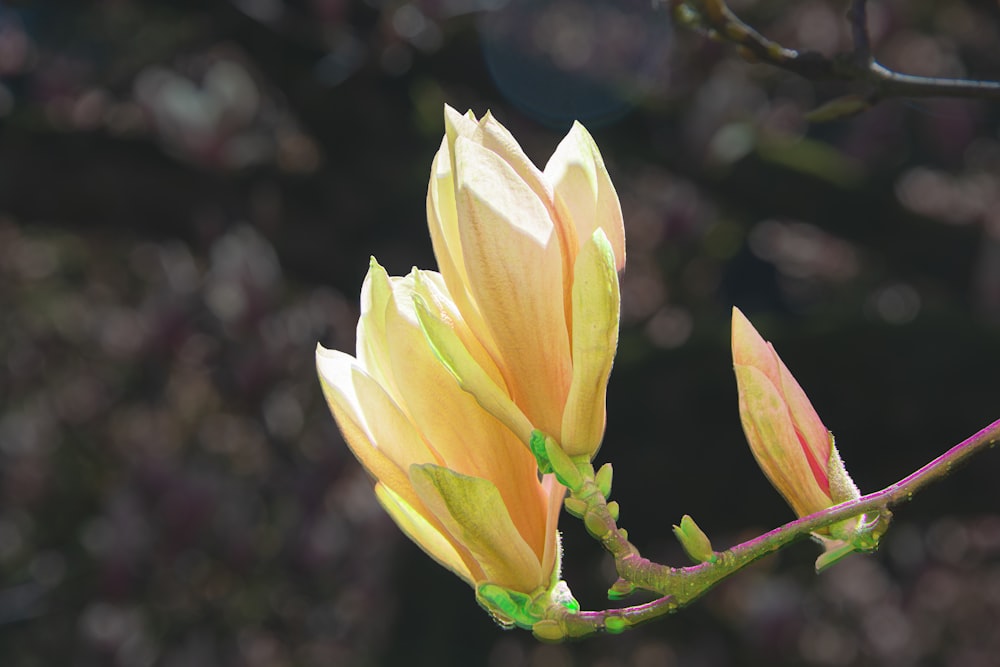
(620, 589)
(536, 443)
(508, 608)
(833, 555)
(864, 539)
(575, 506)
(696, 544)
(512, 608)
(603, 480)
(562, 465)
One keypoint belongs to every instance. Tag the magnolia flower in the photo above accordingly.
(530, 258)
(786, 436)
(456, 480)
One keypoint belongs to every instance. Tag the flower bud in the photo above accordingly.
(786, 436)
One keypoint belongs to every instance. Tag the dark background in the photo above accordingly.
(189, 193)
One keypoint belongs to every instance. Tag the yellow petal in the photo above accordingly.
(474, 513)
(584, 190)
(336, 373)
(442, 221)
(371, 339)
(427, 536)
(774, 442)
(508, 236)
(554, 494)
(596, 302)
(354, 395)
(469, 374)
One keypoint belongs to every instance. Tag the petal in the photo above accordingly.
(774, 442)
(473, 512)
(361, 403)
(442, 221)
(750, 349)
(583, 189)
(509, 237)
(371, 339)
(554, 493)
(596, 303)
(467, 438)
(469, 374)
(428, 536)
(805, 418)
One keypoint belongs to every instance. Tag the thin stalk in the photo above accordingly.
(680, 586)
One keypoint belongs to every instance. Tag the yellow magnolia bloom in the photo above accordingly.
(531, 259)
(786, 436)
(455, 479)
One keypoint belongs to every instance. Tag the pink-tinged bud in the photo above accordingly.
(786, 436)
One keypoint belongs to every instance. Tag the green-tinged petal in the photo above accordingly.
(774, 442)
(583, 188)
(372, 345)
(518, 283)
(596, 304)
(474, 513)
(470, 375)
(427, 536)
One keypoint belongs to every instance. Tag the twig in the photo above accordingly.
(680, 586)
(715, 17)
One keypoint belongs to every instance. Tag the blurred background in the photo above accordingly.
(189, 194)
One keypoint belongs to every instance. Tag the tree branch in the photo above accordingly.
(716, 19)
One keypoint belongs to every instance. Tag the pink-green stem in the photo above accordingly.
(680, 586)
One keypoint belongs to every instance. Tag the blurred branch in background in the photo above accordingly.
(715, 18)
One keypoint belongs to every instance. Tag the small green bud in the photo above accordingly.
(696, 544)
(623, 533)
(548, 630)
(613, 509)
(615, 625)
(620, 589)
(575, 506)
(603, 479)
(595, 525)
